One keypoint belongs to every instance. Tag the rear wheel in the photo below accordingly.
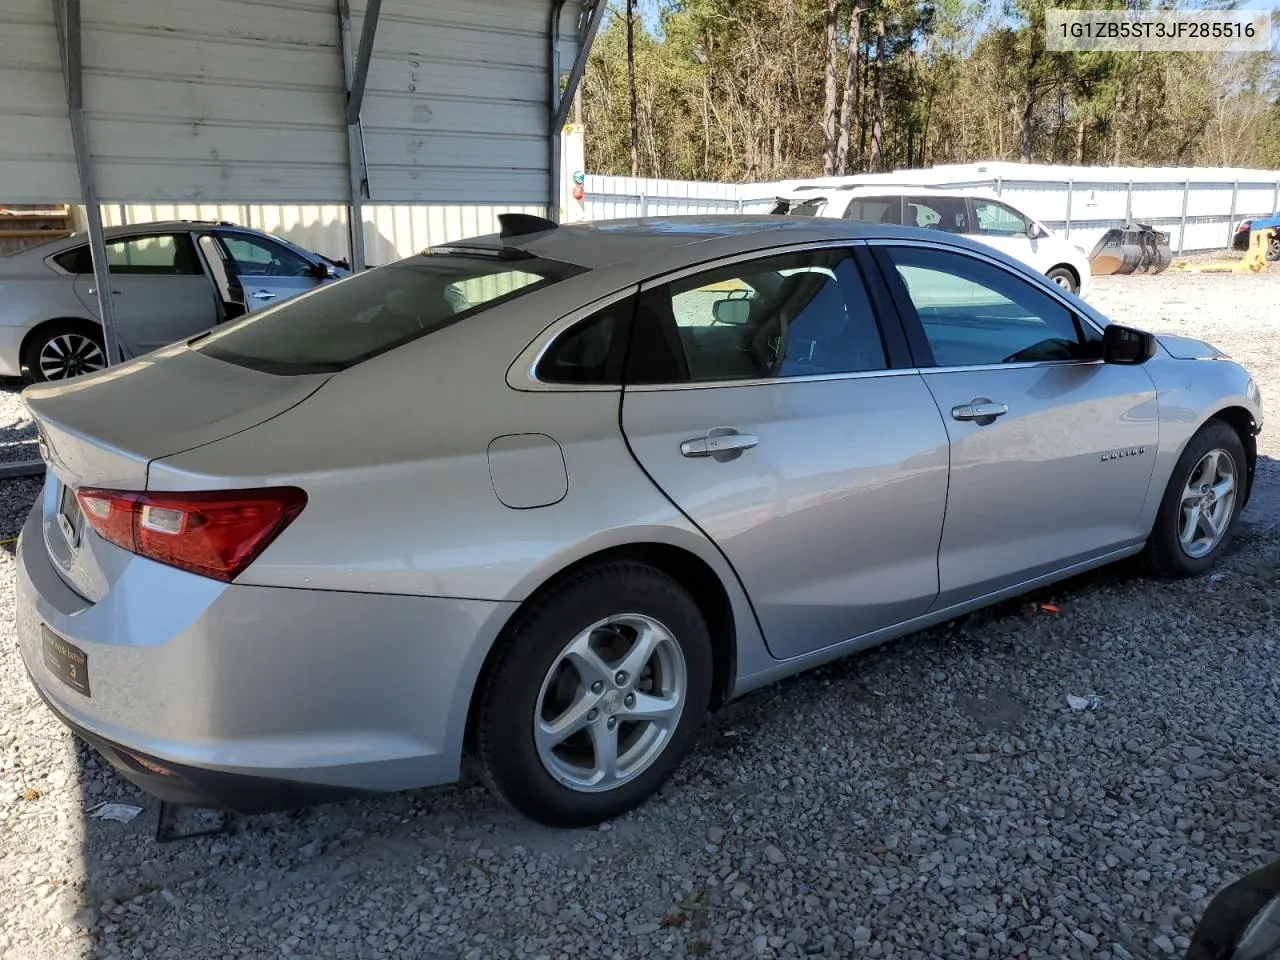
(595, 696)
(1201, 503)
(63, 349)
(1273, 248)
(1064, 278)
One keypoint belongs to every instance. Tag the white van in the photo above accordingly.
(981, 216)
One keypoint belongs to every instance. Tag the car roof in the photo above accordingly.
(662, 241)
(815, 191)
(603, 243)
(57, 244)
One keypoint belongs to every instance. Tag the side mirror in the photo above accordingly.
(1127, 345)
(731, 312)
(1033, 232)
(323, 271)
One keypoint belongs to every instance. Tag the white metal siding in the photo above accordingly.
(390, 231)
(242, 100)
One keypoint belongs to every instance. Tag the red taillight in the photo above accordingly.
(216, 534)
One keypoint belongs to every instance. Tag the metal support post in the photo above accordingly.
(355, 71)
(560, 101)
(1128, 202)
(1182, 230)
(1231, 218)
(1071, 187)
(66, 15)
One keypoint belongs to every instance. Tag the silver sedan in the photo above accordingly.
(549, 496)
(169, 281)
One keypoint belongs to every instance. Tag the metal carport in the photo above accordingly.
(319, 101)
(315, 101)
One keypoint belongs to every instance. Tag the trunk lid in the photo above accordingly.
(103, 430)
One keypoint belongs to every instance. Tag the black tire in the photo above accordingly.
(81, 338)
(1164, 554)
(507, 698)
(1273, 249)
(1064, 277)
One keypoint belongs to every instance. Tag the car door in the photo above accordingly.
(764, 398)
(1000, 226)
(268, 271)
(1051, 449)
(159, 290)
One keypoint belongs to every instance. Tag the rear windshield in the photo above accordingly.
(346, 323)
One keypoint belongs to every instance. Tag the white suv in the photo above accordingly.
(980, 216)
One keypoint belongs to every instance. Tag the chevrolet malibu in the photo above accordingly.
(549, 496)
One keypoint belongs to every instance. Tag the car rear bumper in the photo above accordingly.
(256, 698)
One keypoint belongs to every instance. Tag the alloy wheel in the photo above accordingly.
(70, 355)
(1208, 504)
(610, 703)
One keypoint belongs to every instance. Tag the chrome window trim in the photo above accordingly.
(522, 373)
(980, 367)
(108, 241)
(844, 244)
(773, 381)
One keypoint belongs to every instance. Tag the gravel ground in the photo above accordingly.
(933, 798)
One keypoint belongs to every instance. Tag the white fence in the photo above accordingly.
(1199, 212)
(1198, 208)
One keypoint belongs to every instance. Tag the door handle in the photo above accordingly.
(719, 445)
(263, 295)
(981, 410)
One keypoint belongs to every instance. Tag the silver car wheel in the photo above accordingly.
(1208, 504)
(610, 703)
(1063, 281)
(70, 355)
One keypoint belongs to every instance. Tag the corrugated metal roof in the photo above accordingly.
(242, 100)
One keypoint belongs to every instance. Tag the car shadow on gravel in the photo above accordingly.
(405, 874)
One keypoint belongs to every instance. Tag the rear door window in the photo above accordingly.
(948, 214)
(875, 209)
(342, 324)
(793, 315)
(161, 254)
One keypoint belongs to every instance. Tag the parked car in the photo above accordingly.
(1240, 240)
(980, 216)
(169, 282)
(553, 494)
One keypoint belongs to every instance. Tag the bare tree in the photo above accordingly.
(829, 88)
(631, 87)
(877, 117)
(850, 83)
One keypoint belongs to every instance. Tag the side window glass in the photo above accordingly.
(995, 219)
(75, 260)
(591, 351)
(259, 257)
(875, 209)
(947, 214)
(794, 315)
(159, 255)
(974, 313)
